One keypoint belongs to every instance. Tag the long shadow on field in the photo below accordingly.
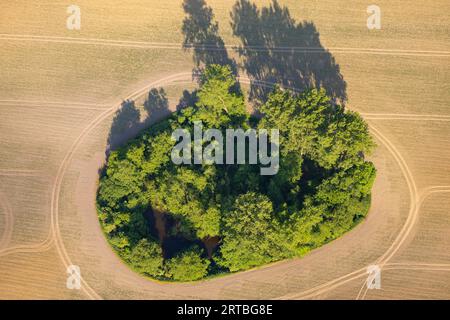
(276, 49)
(201, 33)
(156, 105)
(187, 100)
(128, 122)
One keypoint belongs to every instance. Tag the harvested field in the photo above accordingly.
(60, 90)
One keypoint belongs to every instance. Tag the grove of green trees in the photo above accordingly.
(322, 188)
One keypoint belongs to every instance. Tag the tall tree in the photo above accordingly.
(249, 233)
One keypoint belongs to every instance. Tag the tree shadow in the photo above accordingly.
(201, 33)
(277, 50)
(127, 122)
(188, 99)
(156, 105)
(126, 119)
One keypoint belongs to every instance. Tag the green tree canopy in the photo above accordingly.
(188, 265)
(250, 233)
(226, 218)
(146, 257)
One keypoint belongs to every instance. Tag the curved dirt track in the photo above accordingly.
(32, 248)
(8, 227)
(383, 264)
(302, 295)
(176, 46)
(63, 167)
(55, 236)
(395, 77)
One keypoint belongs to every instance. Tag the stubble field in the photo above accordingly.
(59, 92)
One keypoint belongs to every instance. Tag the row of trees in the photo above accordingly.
(321, 190)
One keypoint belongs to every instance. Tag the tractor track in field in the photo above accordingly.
(90, 292)
(176, 46)
(56, 237)
(383, 260)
